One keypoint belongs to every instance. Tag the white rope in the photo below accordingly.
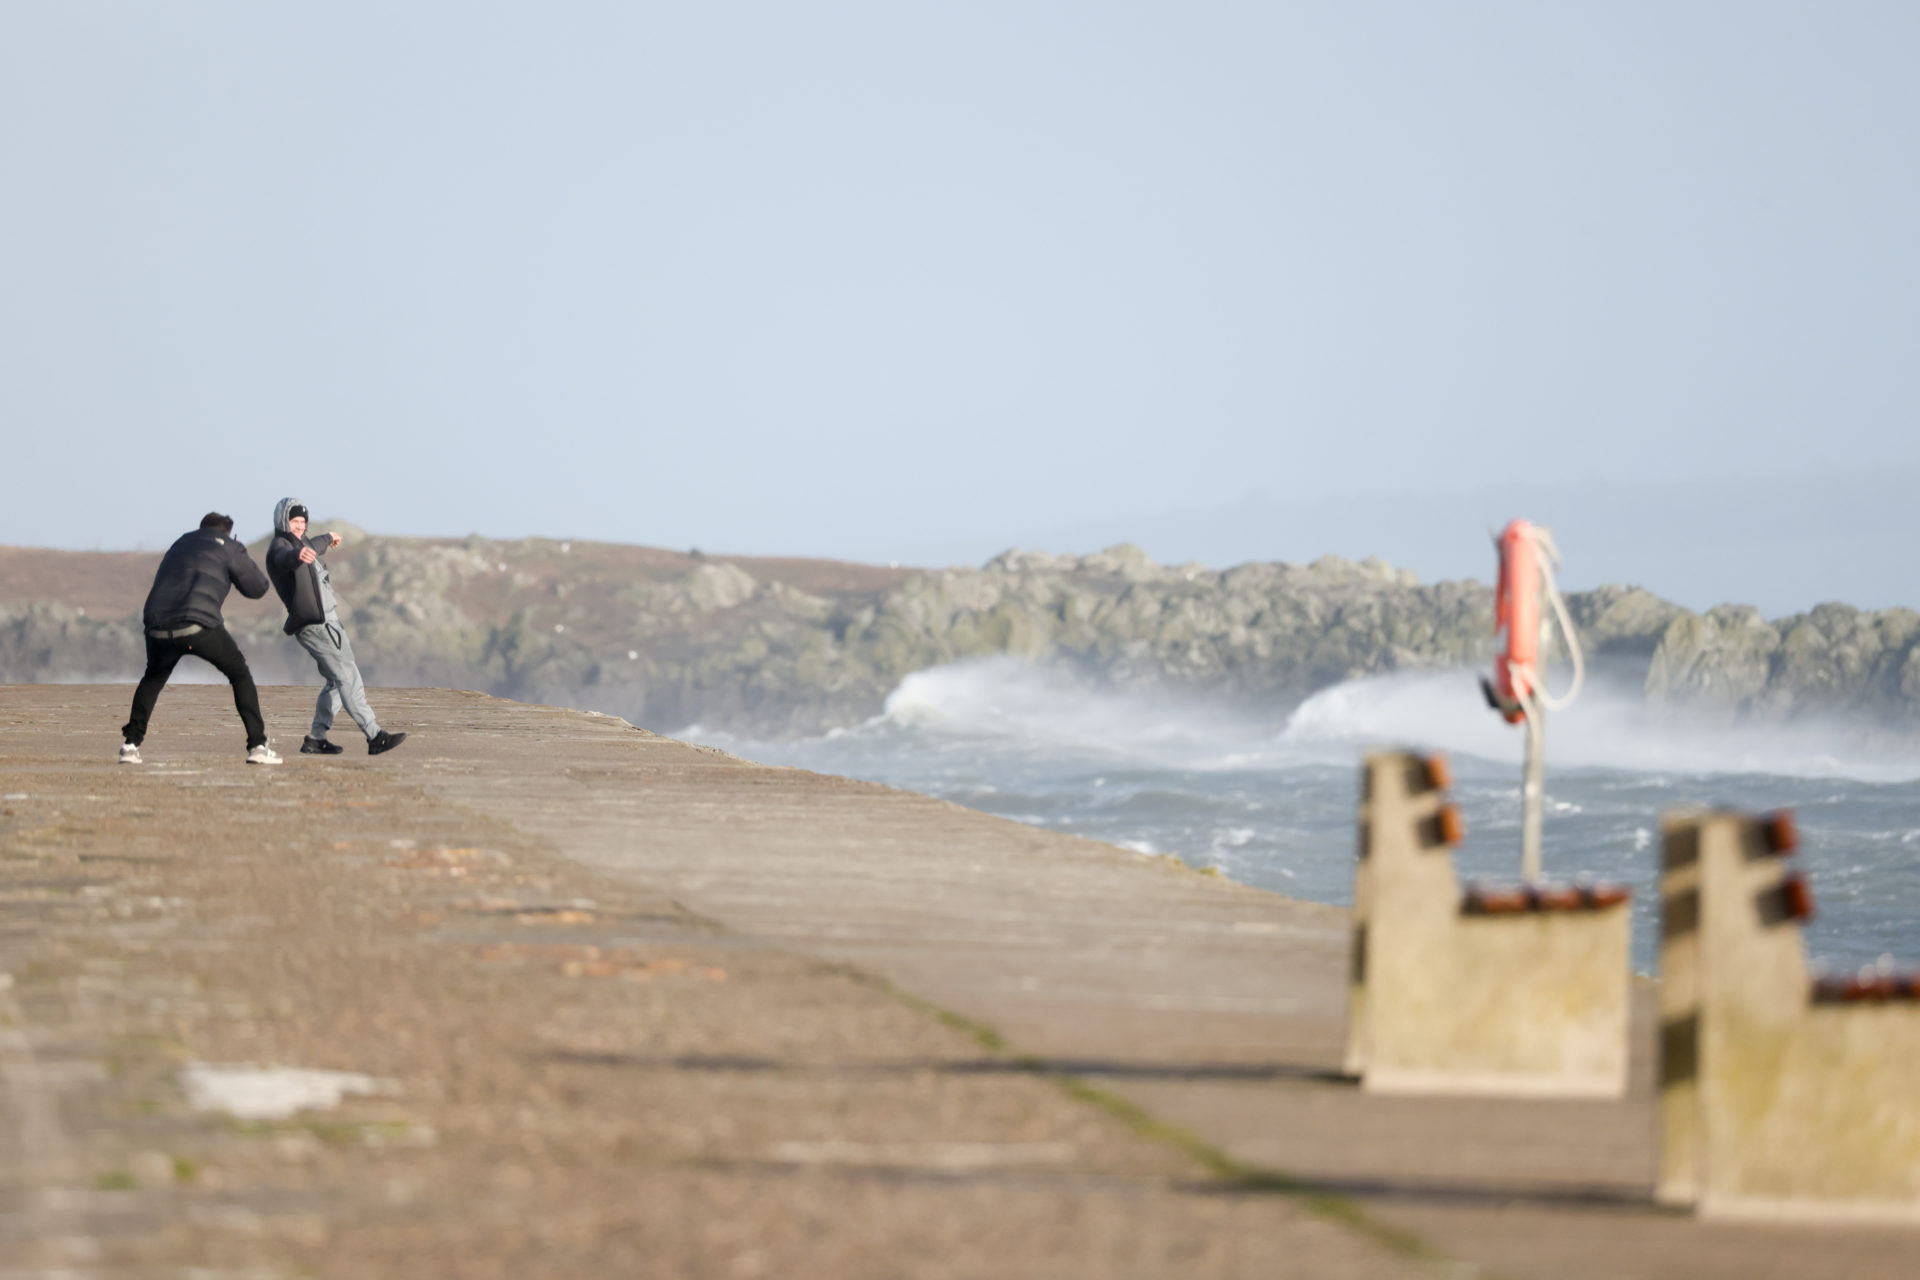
(1549, 557)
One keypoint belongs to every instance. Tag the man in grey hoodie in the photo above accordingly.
(313, 618)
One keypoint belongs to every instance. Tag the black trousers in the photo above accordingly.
(219, 648)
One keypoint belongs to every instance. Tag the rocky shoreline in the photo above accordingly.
(781, 648)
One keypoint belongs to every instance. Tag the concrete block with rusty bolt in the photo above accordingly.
(1781, 1096)
(1520, 991)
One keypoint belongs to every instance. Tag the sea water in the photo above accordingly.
(1271, 800)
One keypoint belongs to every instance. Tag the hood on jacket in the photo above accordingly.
(280, 516)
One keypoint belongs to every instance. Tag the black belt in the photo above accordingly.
(193, 630)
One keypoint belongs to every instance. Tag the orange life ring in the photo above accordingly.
(1516, 609)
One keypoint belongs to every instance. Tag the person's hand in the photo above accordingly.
(307, 556)
(336, 539)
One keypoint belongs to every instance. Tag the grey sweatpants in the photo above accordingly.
(334, 653)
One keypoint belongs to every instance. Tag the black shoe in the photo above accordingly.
(384, 741)
(319, 747)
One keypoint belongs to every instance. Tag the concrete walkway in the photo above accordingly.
(1161, 997)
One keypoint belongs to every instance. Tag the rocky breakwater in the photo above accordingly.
(780, 647)
(1730, 664)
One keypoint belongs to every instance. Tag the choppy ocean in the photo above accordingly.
(1272, 802)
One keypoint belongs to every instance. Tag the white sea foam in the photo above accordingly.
(1607, 728)
(1004, 697)
(1048, 708)
(1032, 707)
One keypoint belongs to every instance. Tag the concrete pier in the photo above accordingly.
(626, 1006)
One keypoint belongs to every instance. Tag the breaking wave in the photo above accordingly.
(1036, 708)
(1608, 728)
(1041, 708)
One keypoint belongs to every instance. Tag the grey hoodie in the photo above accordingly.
(306, 589)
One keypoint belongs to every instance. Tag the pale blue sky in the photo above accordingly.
(913, 281)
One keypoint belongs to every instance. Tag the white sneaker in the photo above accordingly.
(262, 754)
(129, 754)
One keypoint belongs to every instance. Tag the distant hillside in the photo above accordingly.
(775, 647)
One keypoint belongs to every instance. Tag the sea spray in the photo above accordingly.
(1051, 709)
(1611, 727)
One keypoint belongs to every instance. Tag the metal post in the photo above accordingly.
(1533, 791)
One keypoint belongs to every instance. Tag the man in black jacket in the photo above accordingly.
(182, 617)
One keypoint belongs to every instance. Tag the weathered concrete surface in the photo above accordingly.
(587, 1077)
(621, 1111)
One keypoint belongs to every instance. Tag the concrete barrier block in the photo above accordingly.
(1521, 991)
(1780, 1097)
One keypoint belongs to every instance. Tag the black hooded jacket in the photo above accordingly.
(298, 584)
(193, 579)
(304, 588)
